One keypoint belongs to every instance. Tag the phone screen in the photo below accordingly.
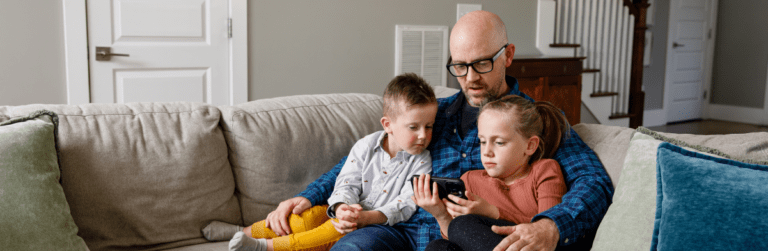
(446, 186)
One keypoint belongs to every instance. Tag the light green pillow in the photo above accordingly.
(629, 222)
(34, 214)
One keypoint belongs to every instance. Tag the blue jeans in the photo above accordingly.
(378, 237)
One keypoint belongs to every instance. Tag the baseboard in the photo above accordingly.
(740, 114)
(654, 117)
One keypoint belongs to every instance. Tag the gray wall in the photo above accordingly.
(32, 68)
(741, 54)
(653, 75)
(302, 47)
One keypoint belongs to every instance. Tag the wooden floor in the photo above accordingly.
(708, 127)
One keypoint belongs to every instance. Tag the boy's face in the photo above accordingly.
(504, 151)
(411, 129)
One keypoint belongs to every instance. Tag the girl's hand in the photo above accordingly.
(347, 217)
(475, 205)
(428, 198)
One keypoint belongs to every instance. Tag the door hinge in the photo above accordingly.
(709, 34)
(229, 27)
(704, 97)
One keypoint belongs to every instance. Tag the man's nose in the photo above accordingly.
(472, 75)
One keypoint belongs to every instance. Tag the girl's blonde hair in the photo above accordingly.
(540, 119)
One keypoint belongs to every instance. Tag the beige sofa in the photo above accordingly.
(149, 176)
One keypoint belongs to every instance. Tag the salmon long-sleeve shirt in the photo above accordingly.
(519, 202)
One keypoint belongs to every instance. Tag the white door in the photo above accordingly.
(178, 50)
(687, 58)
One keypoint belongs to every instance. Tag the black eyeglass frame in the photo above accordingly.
(472, 64)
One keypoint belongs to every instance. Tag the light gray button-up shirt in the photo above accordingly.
(377, 182)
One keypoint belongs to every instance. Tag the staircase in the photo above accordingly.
(610, 34)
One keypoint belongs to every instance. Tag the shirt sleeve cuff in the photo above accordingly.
(565, 225)
(392, 218)
(331, 211)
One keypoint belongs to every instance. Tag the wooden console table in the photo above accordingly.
(553, 79)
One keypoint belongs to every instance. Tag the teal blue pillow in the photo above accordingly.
(709, 203)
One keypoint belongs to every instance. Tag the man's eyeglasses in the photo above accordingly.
(480, 66)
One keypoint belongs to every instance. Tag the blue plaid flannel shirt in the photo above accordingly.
(589, 188)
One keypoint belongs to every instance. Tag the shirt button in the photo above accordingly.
(454, 130)
(566, 240)
(463, 155)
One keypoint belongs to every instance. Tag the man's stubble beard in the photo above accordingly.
(489, 96)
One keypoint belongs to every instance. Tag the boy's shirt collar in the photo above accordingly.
(380, 147)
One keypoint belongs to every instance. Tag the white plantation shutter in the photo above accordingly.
(422, 50)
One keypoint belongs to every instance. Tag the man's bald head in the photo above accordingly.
(479, 25)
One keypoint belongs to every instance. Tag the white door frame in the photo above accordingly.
(709, 58)
(76, 52)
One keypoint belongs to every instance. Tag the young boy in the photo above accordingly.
(372, 187)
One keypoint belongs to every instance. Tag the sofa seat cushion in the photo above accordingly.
(144, 176)
(31, 197)
(279, 145)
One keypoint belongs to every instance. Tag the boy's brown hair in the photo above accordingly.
(541, 119)
(409, 88)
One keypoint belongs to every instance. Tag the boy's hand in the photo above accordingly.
(475, 205)
(347, 217)
(428, 198)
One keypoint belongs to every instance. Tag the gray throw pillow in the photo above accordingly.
(34, 214)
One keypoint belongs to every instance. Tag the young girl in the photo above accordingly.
(517, 138)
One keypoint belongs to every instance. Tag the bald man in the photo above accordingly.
(480, 54)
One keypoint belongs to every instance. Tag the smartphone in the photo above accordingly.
(446, 186)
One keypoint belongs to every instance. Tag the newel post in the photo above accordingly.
(636, 94)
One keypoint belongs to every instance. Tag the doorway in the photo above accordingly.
(160, 51)
(690, 51)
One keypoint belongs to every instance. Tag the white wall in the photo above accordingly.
(301, 47)
(32, 68)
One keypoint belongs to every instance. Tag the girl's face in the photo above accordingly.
(504, 151)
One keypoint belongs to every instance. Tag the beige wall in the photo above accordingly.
(301, 47)
(32, 68)
(295, 47)
(741, 54)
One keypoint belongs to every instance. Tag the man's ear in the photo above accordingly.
(385, 123)
(510, 52)
(533, 144)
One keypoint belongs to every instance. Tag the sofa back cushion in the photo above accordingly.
(144, 175)
(4, 113)
(610, 144)
(278, 146)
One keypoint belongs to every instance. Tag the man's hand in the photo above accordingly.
(539, 235)
(278, 220)
(347, 217)
(475, 205)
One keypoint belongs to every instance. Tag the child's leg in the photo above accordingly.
(473, 232)
(319, 238)
(307, 220)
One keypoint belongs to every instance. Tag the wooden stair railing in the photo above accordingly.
(600, 30)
